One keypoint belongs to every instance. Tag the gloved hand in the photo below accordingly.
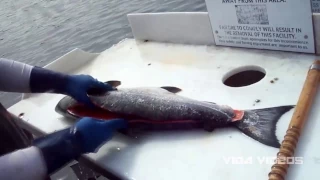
(44, 80)
(94, 132)
(77, 86)
(85, 136)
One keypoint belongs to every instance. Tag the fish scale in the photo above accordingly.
(160, 104)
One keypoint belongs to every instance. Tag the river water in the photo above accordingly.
(38, 31)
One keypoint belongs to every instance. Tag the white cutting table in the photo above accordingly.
(198, 70)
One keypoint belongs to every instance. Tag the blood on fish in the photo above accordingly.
(98, 113)
(103, 114)
(238, 115)
(164, 122)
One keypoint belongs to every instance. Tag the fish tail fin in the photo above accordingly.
(260, 124)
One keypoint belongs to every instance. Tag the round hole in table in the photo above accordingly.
(244, 76)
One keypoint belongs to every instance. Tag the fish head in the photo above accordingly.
(70, 108)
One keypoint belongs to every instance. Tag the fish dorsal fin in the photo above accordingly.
(114, 83)
(98, 92)
(171, 89)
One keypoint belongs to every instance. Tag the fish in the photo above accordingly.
(162, 108)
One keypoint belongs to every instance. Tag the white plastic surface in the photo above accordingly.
(186, 27)
(178, 27)
(198, 70)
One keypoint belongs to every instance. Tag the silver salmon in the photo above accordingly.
(161, 108)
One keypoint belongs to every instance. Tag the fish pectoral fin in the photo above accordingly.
(114, 83)
(171, 89)
(99, 92)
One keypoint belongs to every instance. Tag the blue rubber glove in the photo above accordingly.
(86, 136)
(95, 132)
(78, 85)
(44, 80)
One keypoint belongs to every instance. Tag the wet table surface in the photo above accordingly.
(200, 72)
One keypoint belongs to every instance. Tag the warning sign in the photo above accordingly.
(315, 6)
(264, 24)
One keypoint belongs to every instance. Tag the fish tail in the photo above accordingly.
(260, 124)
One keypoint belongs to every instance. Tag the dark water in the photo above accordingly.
(39, 31)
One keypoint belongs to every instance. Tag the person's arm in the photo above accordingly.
(20, 77)
(24, 78)
(15, 76)
(23, 164)
(52, 152)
